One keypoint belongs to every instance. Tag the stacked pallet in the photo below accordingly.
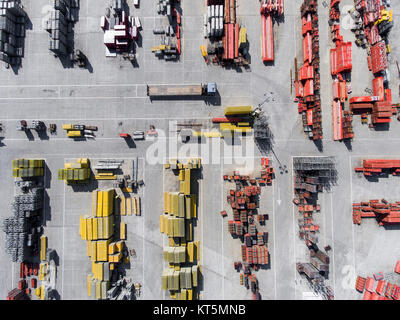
(28, 168)
(12, 31)
(60, 26)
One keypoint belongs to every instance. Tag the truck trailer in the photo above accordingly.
(161, 90)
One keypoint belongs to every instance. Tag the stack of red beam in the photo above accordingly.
(230, 40)
(267, 10)
(341, 62)
(385, 213)
(308, 84)
(372, 166)
(376, 288)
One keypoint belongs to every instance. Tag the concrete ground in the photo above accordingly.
(111, 94)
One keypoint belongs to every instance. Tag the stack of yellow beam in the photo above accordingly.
(78, 172)
(240, 127)
(177, 223)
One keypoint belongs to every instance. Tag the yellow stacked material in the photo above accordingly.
(89, 248)
(38, 292)
(197, 246)
(181, 206)
(100, 227)
(122, 230)
(42, 270)
(108, 202)
(74, 133)
(89, 285)
(100, 204)
(93, 251)
(116, 257)
(123, 206)
(188, 205)
(175, 203)
(195, 271)
(183, 295)
(43, 248)
(211, 134)
(105, 177)
(193, 211)
(190, 294)
(134, 206)
(167, 166)
(94, 202)
(98, 290)
(68, 126)
(138, 209)
(112, 248)
(42, 292)
(120, 245)
(181, 175)
(187, 181)
(162, 223)
(102, 250)
(94, 229)
(166, 202)
(129, 206)
(190, 251)
(242, 110)
(82, 228)
(89, 230)
(98, 270)
(189, 230)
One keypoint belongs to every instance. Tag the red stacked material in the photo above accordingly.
(379, 57)
(341, 60)
(360, 284)
(269, 8)
(308, 84)
(385, 214)
(16, 294)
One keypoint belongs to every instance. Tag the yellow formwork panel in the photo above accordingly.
(122, 229)
(138, 206)
(94, 203)
(189, 294)
(42, 292)
(187, 181)
(112, 248)
(194, 206)
(123, 206)
(98, 290)
(89, 248)
(89, 228)
(134, 206)
(181, 176)
(93, 251)
(43, 248)
(188, 205)
(129, 206)
(190, 251)
(99, 204)
(100, 227)
(189, 230)
(197, 246)
(170, 227)
(166, 202)
(98, 270)
(102, 250)
(108, 202)
(229, 111)
(89, 285)
(94, 229)
(120, 245)
(82, 228)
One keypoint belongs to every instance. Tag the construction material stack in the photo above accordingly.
(23, 229)
(341, 66)
(372, 22)
(120, 30)
(312, 175)
(60, 26)
(380, 286)
(76, 172)
(247, 223)
(105, 248)
(307, 80)
(79, 130)
(269, 9)
(12, 32)
(171, 34)
(237, 120)
(28, 168)
(47, 272)
(229, 47)
(182, 254)
(384, 212)
(379, 166)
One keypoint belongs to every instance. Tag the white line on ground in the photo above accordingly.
(333, 248)
(273, 231)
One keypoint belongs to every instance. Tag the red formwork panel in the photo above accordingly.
(307, 48)
(236, 44)
(378, 88)
(231, 41)
(267, 38)
(379, 57)
(337, 120)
